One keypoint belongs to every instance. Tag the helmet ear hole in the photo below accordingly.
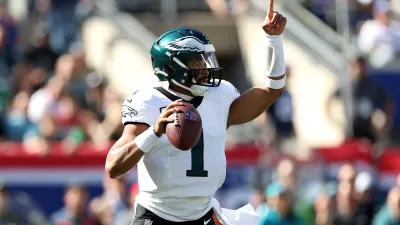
(169, 69)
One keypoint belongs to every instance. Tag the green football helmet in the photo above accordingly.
(185, 57)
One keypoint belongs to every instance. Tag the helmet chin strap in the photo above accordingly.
(196, 90)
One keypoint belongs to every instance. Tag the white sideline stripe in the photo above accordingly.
(51, 176)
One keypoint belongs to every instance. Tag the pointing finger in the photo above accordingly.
(271, 9)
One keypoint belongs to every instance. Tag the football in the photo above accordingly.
(186, 129)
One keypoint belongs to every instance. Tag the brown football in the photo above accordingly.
(186, 130)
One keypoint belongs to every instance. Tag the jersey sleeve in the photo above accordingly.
(231, 92)
(137, 109)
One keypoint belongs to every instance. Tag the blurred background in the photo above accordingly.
(327, 152)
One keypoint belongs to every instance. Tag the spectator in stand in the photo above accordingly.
(45, 101)
(70, 124)
(17, 122)
(40, 54)
(364, 195)
(372, 107)
(65, 68)
(61, 18)
(390, 213)
(7, 215)
(379, 38)
(94, 94)
(5, 71)
(346, 205)
(113, 201)
(347, 210)
(28, 78)
(102, 131)
(77, 51)
(83, 10)
(257, 198)
(347, 173)
(278, 209)
(287, 176)
(37, 139)
(72, 68)
(281, 114)
(324, 205)
(126, 216)
(323, 208)
(74, 211)
(64, 125)
(67, 114)
(5, 64)
(9, 33)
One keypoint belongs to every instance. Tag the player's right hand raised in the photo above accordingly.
(164, 118)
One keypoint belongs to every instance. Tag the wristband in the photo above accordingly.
(275, 84)
(146, 140)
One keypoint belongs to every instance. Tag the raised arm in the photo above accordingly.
(255, 101)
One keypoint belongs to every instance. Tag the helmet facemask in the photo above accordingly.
(202, 72)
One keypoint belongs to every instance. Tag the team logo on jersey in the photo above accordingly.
(148, 222)
(189, 43)
(190, 115)
(128, 111)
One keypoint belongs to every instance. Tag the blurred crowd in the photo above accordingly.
(113, 207)
(47, 92)
(350, 198)
(375, 26)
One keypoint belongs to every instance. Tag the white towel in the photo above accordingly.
(243, 216)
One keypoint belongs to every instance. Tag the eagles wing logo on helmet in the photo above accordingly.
(189, 43)
(128, 111)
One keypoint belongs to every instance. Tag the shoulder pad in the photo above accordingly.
(140, 108)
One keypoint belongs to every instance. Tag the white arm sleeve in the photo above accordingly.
(275, 56)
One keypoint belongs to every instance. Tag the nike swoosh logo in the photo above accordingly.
(206, 222)
(129, 100)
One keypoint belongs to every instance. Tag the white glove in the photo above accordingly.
(243, 216)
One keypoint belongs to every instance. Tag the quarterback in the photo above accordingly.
(177, 187)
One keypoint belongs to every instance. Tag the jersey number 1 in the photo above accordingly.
(198, 160)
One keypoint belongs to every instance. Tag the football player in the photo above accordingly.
(177, 187)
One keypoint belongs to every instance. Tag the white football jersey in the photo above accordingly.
(179, 185)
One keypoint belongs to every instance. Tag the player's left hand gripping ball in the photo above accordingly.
(274, 23)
